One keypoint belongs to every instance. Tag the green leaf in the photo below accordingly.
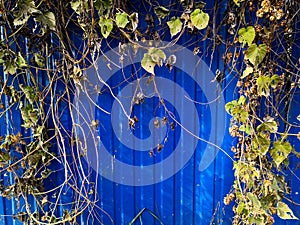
(230, 105)
(275, 79)
(261, 143)
(148, 64)
(122, 20)
(161, 12)
(246, 35)
(255, 202)
(39, 59)
(175, 26)
(153, 57)
(237, 2)
(21, 61)
(75, 5)
(242, 100)
(51, 22)
(24, 11)
(199, 19)
(10, 67)
(256, 54)
(157, 55)
(280, 152)
(247, 72)
(284, 212)
(4, 156)
(263, 83)
(247, 129)
(106, 26)
(103, 6)
(268, 126)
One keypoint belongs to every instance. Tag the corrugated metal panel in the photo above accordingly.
(189, 192)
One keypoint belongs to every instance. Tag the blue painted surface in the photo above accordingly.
(190, 196)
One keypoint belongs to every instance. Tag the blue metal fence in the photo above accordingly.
(183, 191)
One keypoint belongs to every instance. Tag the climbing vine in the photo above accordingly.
(46, 46)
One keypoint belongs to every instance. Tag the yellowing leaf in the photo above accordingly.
(122, 19)
(284, 212)
(247, 72)
(263, 83)
(175, 26)
(256, 54)
(161, 12)
(280, 151)
(246, 35)
(237, 2)
(199, 19)
(148, 64)
(153, 57)
(106, 26)
(21, 61)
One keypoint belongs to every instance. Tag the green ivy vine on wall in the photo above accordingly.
(38, 52)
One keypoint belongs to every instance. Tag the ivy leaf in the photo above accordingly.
(247, 72)
(106, 26)
(247, 129)
(199, 19)
(10, 67)
(39, 59)
(263, 83)
(122, 20)
(103, 6)
(21, 61)
(256, 54)
(246, 35)
(275, 79)
(148, 64)
(25, 10)
(134, 18)
(175, 26)
(4, 156)
(49, 20)
(237, 2)
(153, 57)
(284, 212)
(255, 202)
(161, 12)
(157, 55)
(268, 126)
(280, 152)
(261, 143)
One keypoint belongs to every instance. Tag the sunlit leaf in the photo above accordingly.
(237, 2)
(199, 19)
(263, 83)
(24, 10)
(246, 35)
(148, 64)
(284, 212)
(21, 62)
(256, 54)
(175, 26)
(122, 19)
(268, 126)
(153, 57)
(280, 151)
(39, 59)
(247, 72)
(106, 26)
